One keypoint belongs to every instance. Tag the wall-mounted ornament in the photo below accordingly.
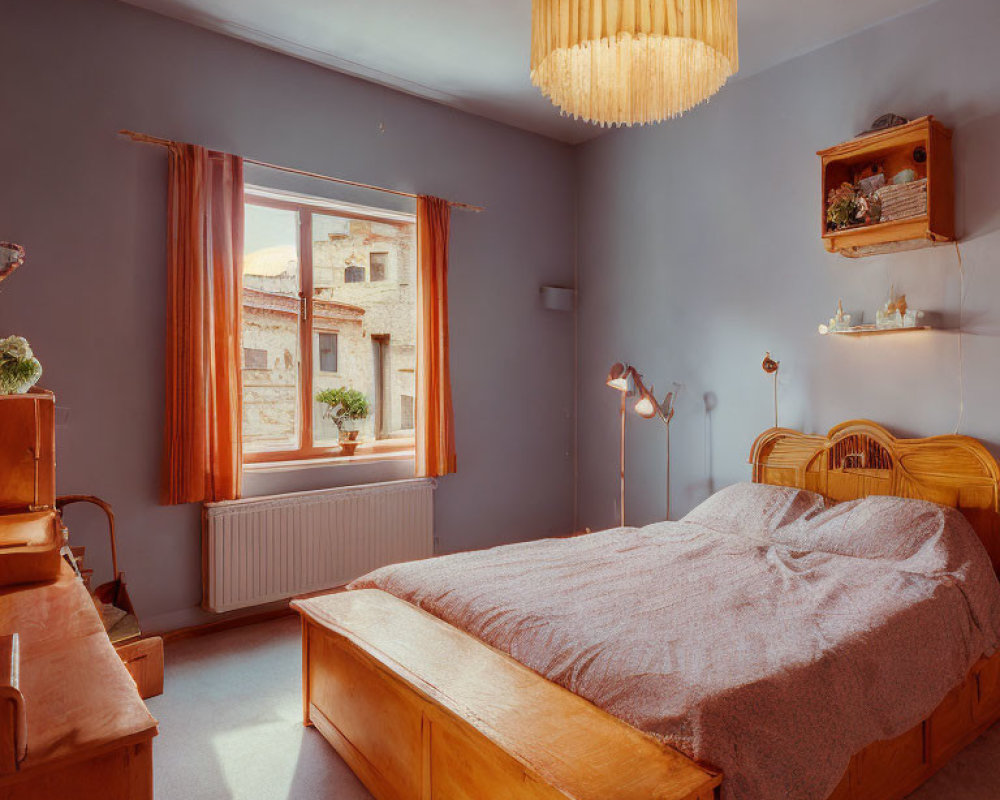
(11, 257)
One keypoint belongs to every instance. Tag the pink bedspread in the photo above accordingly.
(770, 661)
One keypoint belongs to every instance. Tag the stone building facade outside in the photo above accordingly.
(364, 330)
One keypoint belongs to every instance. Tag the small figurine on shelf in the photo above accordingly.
(892, 314)
(839, 322)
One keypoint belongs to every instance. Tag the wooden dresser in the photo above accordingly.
(88, 734)
(72, 724)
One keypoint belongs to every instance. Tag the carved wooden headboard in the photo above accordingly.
(859, 458)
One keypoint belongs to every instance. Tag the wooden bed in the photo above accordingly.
(423, 711)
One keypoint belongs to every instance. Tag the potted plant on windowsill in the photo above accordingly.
(346, 407)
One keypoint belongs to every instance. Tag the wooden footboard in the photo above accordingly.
(422, 711)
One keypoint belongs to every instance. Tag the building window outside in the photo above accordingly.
(377, 266)
(406, 411)
(254, 358)
(327, 352)
(308, 310)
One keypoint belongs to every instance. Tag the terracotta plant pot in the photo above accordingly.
(348, 441)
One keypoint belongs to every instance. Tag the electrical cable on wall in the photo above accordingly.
(961, 345)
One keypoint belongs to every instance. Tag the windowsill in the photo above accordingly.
(367, 453)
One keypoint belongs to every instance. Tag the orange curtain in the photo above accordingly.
(435, 431)
(202, 436)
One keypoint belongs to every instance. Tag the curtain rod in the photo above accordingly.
(147, 139)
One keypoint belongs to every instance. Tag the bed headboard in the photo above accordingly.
(859, 458)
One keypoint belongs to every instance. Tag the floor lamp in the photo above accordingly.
(618, 379)
(648, 407)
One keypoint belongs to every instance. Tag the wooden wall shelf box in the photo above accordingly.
(894, 149)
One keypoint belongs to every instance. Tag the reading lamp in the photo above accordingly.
(618, 380)
(647, 407)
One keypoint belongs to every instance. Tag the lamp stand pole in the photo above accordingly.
(621, 464)
(668, 470)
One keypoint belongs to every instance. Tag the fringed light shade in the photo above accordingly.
(630, 62)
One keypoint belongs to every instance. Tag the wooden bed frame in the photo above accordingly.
(423, 711)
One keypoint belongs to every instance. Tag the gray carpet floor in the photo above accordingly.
(231, 728)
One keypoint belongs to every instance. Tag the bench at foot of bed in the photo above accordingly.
(420, 710)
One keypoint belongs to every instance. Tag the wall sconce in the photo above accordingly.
(628, 381)
(770, 366)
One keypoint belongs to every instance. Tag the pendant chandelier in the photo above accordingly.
(631, 62)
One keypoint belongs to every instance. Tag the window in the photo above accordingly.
(377, 265)
(327, 352)
(309, 311)
(254, 358)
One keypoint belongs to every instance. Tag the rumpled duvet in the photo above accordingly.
(763, 634)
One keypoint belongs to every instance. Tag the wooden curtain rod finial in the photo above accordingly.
(147, 139)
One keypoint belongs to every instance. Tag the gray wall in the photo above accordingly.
(700, 249)
(90, 207)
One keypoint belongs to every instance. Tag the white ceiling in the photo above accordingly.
(473, 54)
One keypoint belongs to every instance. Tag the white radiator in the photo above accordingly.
(264, 549)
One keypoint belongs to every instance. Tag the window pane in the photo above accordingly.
(271, 309)
(327, 361)
(373, 320)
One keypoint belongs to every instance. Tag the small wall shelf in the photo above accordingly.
(871, 330)
(923, 146)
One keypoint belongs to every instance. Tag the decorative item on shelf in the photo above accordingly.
(345, 408)
(635, 63)
(903, 200)
(841, 321)
(894, 315)
(854, 205)
(19, 369)
(883, 123)
(770, 366)
(11, 257)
